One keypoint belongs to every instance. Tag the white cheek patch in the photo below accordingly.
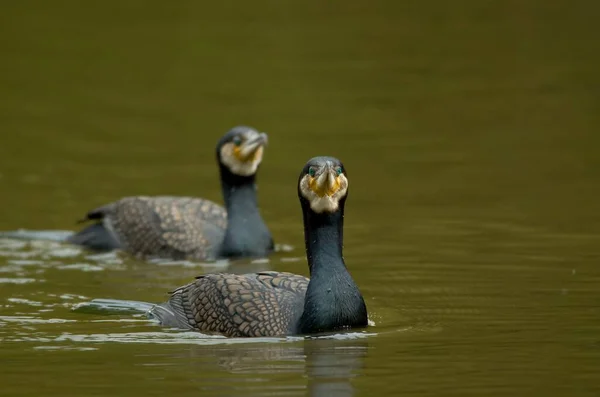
(325, 203)
(238, 167)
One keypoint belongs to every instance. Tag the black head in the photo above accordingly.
(240, 150)
(323, 185)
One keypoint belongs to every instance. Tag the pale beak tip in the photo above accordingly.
(265, 138)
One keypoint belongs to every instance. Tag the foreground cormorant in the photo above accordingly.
(191, 228)
(275, 304)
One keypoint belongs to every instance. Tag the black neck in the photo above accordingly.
(332, 301)
(323, 238)
(239, 192)
(246, 233)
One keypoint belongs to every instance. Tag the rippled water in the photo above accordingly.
(470, 134)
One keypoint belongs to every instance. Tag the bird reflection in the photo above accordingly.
(331, 364)
(322, 367)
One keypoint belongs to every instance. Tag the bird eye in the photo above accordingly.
(237, 141)
(338, 170)
(311, 171)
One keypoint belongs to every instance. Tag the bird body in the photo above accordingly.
(277, 303)
(166, 226)
(258, 304)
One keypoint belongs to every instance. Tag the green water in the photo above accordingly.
(469, 130)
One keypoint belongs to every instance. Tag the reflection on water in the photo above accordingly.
(330, 367)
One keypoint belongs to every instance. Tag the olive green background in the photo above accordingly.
(469, 130)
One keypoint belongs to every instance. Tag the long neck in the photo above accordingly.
(332, 301)
(239, 196)
(246, 233)
(323, 238)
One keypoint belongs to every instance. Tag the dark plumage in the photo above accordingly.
(272, 303)
(186, 227)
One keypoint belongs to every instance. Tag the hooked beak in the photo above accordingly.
(326, 182)
(250, 147)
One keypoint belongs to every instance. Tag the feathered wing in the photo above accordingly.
(173, 227)
(260, 304)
